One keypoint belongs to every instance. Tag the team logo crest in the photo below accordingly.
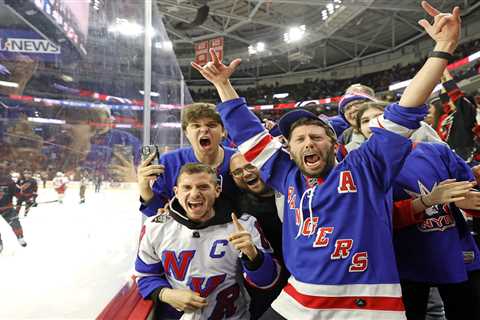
(439, 217)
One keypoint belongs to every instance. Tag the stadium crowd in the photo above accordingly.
(317, 89)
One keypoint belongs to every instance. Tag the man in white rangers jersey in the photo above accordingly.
(193, 258)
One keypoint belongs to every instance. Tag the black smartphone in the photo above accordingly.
(148, 150)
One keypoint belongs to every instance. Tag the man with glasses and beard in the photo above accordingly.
(258, 199)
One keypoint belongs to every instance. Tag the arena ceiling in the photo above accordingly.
(355, 30)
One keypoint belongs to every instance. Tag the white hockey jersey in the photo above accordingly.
(59, 182)
(175, 252)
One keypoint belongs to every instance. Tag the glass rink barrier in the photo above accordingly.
(77, 81)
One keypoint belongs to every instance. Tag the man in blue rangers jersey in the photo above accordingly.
(204, 130)
(337, 231)
(193, 258)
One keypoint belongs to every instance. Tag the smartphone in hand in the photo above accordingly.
(148, 150)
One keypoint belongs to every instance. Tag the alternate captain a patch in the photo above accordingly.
(346, 183)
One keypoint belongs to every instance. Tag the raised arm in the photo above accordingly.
(253, 140)
(445, 31)
(219, 75)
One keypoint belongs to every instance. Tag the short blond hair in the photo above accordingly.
(360, 88)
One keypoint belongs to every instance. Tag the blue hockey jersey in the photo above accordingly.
(337, 238)
(441, 248)
(173, 162)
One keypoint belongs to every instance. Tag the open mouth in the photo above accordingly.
(253, 181)
(205, 142)
(311, 160)
(193, 205)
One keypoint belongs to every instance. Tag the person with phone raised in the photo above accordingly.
(204, 130)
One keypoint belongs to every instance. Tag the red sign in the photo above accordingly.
(201, 50)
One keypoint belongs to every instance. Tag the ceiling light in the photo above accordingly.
(259, 47)
(126, 28)
(330, 7)
(294, 34)
(165, 45)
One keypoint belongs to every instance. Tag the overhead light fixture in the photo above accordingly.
(259, 47)
(330, 8)
(165, 45)
(126, 28)
(9, 84)
(294, 34)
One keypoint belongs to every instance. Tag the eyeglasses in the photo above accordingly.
(239, 172)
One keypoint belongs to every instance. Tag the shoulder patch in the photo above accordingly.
(245, 217)
(161, 218)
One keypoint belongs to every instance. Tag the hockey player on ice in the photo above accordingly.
(83, 188)
(8, 189)
(28, 192)
(60, 185)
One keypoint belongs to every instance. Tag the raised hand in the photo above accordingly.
(215, 71)
(448, 191)
(241, 239)
(183, 299)
(445, 27)
(147, 172)
(269, 124)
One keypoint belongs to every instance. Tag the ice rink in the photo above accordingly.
(77, 257)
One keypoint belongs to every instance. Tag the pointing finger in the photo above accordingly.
(429, 9)
(237, 224)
